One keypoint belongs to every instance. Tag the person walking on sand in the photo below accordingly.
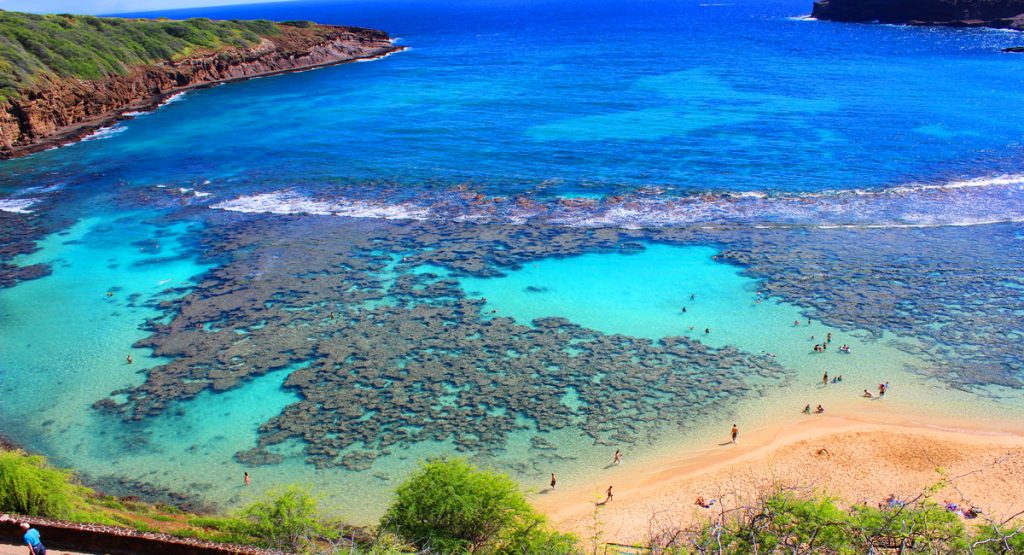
(609, 495)
(617, 459)
(735, 432)
(247, 478)
(30, 536)
(554, 481)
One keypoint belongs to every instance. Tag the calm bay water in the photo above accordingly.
(581, 114)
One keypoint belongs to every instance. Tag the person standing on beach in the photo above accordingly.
(735, 432)
(824, 378)
(617, 459)
(31, 538)
(553, 480)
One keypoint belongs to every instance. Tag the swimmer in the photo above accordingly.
(684, 309)
(129, 359)
(617, 459)
(246, 479)
(707, 330)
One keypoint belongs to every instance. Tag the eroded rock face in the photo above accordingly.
(1005, 14)
(62, 109)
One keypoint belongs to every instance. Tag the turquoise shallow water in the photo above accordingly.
(190, 447)
(595, 117)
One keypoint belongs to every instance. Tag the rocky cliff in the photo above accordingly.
(60, 109)
(1004, 14)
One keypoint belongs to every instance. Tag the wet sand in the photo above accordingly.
(852, 458)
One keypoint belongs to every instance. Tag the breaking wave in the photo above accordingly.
(17, 205)
(289, 202)
(979, 201)
(105, 132)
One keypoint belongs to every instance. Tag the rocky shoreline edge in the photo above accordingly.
(67, 111)
(995, 14)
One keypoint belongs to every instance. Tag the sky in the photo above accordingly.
(110, 6)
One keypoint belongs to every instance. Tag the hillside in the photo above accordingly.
(1003, 14)
(63, 75)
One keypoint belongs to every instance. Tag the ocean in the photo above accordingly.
(544, 231)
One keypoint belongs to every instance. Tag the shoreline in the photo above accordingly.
(75, 133)
(854, 458)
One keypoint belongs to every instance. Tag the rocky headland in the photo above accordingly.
(44, 103)
(1000, 14)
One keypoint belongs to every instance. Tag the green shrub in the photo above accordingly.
(991, 540)
(450, 506)
(289, 519)
(784, 522)
(28, 485)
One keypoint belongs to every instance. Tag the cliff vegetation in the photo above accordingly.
(62, 76)
(86, 47)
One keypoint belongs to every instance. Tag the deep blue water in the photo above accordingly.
(587, 98)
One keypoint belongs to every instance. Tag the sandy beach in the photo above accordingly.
(854, 459)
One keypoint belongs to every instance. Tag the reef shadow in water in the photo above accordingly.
(401, 357)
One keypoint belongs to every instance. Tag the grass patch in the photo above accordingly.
(33, 47)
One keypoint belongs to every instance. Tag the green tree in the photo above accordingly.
(450, 506)
(288, 518)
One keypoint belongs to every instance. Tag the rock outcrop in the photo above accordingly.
(58, 110)
(1002, 14)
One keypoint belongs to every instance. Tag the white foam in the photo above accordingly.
(17, 205)
(174, 98)
(382, 56)
(105, 132)
(968, 202)
(802, 18)
(289, 202)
